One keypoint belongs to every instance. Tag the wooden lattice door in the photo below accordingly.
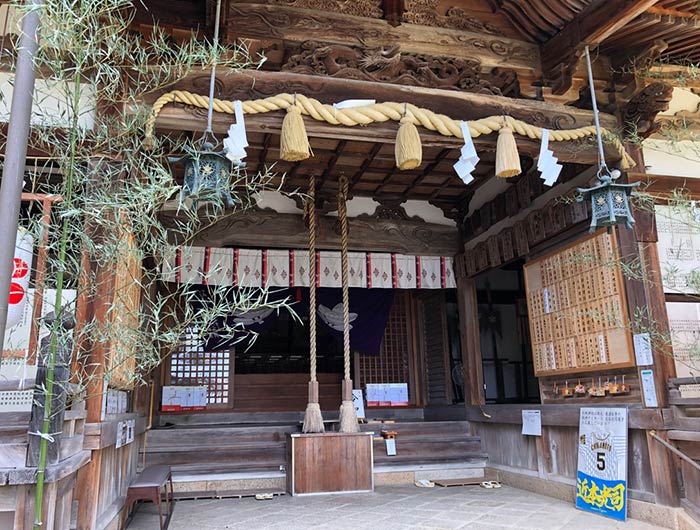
(192, 365)
(392, 363)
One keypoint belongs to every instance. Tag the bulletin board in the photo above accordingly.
(577, 308)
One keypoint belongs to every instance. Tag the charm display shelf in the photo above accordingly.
(331, 462)
(577, 308)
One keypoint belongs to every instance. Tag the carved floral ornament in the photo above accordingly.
(387, 64)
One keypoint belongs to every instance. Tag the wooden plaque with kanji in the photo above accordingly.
(577, 308)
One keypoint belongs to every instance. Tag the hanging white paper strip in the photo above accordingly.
(352, 103)
(237, 140)
(468, 158)
(547, 164)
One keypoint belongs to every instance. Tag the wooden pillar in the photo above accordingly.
(647, 307)
(88, 487)
(471, 345)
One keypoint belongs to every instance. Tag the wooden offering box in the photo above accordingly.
(330, 463)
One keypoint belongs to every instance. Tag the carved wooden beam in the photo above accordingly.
(293, 24)
(385, 231)
(639, 118)
(602, 18)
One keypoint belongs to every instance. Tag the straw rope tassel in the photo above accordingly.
(294, 143)
(378, 113)
(348, 416)
(313, 419)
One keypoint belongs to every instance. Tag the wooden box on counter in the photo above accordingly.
(331, 462)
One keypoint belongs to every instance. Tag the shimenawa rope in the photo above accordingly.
(380, 112)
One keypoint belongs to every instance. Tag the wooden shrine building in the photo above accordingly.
(489, 307)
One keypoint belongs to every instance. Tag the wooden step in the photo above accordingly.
(215, 436)
(428, 452)
(246, 456)
(209, 449)
(419, 428)
(223, 468)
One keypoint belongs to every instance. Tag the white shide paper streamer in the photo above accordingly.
(547, 164)
(237, 140)
(468, 158)
(352, 103)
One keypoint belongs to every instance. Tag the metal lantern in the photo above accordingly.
(609, 201)
(207, 175)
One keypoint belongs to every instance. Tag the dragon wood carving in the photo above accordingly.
(424, 13)
(388, 65)
(640, 113)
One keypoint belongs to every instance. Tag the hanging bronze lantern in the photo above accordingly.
(609, 201)
(207, 175)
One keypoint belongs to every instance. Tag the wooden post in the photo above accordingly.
(646, 298)
(471, 345)
(88, 487)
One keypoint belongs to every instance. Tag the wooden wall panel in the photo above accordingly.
(436, 348)
(507, 446)
(561, 450)
(283, 392)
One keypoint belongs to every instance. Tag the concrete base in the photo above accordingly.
(402, 475)
(274, 480)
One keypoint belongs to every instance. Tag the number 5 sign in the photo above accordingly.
(601, 479)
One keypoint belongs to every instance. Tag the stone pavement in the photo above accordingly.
(388, 508)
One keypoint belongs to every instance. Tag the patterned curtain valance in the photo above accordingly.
(242, 267)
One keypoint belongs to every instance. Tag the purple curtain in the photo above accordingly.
(369, 314)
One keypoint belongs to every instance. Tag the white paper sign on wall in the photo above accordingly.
(359, 403)
(532, 423)
(649, 388)
(642, 349)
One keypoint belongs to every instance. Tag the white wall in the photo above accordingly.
(666, 156)
(51, 107)
(358, 206)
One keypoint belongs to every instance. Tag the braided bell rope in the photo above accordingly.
(343, 215)
(311, 205)
(381, 112)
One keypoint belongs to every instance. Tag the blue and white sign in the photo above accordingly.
(601, 479)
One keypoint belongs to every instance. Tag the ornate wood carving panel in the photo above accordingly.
(358, 8)
(425, 13)
(387, 64)
(640, 112)
(267, 228)
(251, 20)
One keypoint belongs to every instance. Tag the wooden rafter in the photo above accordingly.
(600, 20)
